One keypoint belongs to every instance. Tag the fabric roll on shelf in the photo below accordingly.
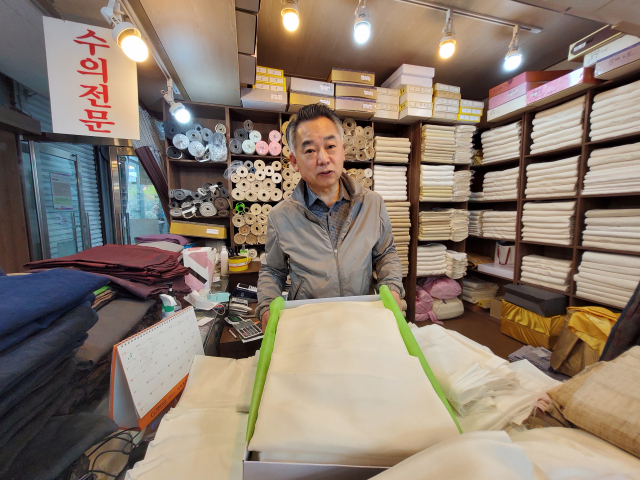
(547, 272)
(553, 179)
(615, 112)
(444, 224)
(431, 260)
(390, 149)
(502, 143)
(464, 144)
(500, 185)
(401, 228)
(558, 127)
(613, 170)
(436, 182)
(361, 175)
(390, 182)
(499, 224)
(359, 142)
(438, 144)
(615, 229)
(607, 278)
(549, 222)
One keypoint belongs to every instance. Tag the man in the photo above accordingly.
(331, 233)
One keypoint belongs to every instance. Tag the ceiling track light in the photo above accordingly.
(513, 58)
(362, 25)
(290, 15)
(448, 40)
(125, 34)
(177, 109)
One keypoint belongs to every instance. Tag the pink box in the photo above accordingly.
(545, 76)
(515, 92)
(578, 80)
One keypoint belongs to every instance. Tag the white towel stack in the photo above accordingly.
(617, 229)
(456, 264)
(401, 227)
(462, 185)
(464, 144)
(615, 112)
(613, 170)
(499, 224)
(547, 272)
(558, 127)
(475, 222)
(436, 182)
(392, 149)
(607, 278)
(501, 185)
(475, 290)
(432, 260)
(390, 182)
(549, 222)
(438, 144)
(502, 143)
(553, 179)
(444, 224)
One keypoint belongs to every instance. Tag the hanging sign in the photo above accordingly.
(93, 85)
(61, 191)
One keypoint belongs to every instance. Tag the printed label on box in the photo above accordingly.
(275, 96)
(261, 70)
(325, 87)
(261, 86)
(274, 71)
(213, 231)
(262, 78)
(368, 92)
(366, 78)
(367, 106)
(324, 101)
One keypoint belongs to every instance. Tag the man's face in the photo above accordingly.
(319, 153)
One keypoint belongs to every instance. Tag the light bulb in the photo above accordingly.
(362, 32)
(291, 20)
(512, 61)
(447, 48)
(182, 115)
(134, 48)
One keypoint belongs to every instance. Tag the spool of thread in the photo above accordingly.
(255, 136)
(174, 153)
(239, 264)
(256, 209)
(221, 128)
(274, 136)
(266, 209)
(274, 148)
(286, 152)
(262, 148)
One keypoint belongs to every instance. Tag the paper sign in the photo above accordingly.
(61, 191)
(93, 85)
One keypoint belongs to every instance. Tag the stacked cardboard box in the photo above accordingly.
(309, 92)
(268, 93)
(355, 93)
(446, 102)
(415, 91)
(470, 111)
(387, 104)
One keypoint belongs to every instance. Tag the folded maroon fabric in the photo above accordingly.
(163, 237)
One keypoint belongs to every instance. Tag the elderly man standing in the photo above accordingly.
(331, 233)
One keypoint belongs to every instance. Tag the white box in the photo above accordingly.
(388, 95)
(471, 103)
(512, 107)
(387, 107)
(445, 116)
(261, 71)
(445, 108)
(447, 101)
(417, 97)
(314, 87)
(470, 111)
(503, 271)
(412, 114)
(387, 114)
(468, 118)
(409, 80)
(267, 86)
(263, 99)
(411, 70)
(447, 88)
(609, 50)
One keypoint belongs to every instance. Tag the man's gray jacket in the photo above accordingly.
(298, 244)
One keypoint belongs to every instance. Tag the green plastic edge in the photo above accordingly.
(413, 348)
(266, 349)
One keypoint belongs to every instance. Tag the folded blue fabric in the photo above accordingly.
(30, 303)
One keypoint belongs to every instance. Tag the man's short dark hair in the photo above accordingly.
(308, 113)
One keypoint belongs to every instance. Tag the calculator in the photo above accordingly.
(246, 328)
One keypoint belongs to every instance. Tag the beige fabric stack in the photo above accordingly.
(392, 149)
(615, 229)
(615, 112)
(475, 222)
(431, 260)
(436, 182)
(607, 278)
(502, 143)
(456, 264)
(464, 144)
(547, 272)
(553, 179)
(390, 182)
(549, 222)
(401, 226)
(500, 185)
(499, 224)
(438, 144)
(613, 170)
(462, 185)
(558, 127)
(444, 224)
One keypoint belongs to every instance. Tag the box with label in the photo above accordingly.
(576, 81)
(274, 72)
(445, 116)
(526, 77)
(445, 108)
(388, 107)
(446, 101)
(596, 40)
(512, 93)
(339, 75)
(468, 118)
(446, 94)
(193, 229)
(416, 97)
(388, 95)
(409, 80)
(610, 49)
(356, 107)
(266, 86)
(355, 91)
(622, 63)
(447, 88)
(412, 114)
(470, 111)
(415, 89)
(314, 87)
(512, 107)
(268, 79)
(415, 104)
(410, 70)
(263, 99)
(471, 103)
(299, 100)
(385, 113)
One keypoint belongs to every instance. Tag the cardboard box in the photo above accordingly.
(404, 89)
(526, 77)
(512, 107)
(263, 99)
(387, 107)
(468, 118)
(445, 116)
(610, 49)
(446, 94)
(576, 81)
(387, 115)
(515, 92)
(268, 79)
(314, 87)
(388, 95)
(470, 111)
(410, 70)
(471, 103)
(415, 104)
(622, 63)
(592, 42)
(495, 310)
(445, 108)
(299, 100)
(275, 72)
(193, 229)
(339, 75)
(447, 101)
(412, 114)
(355, 91)
(447, 88)
(410, 80)
(266, 86)
(416, 97)
(355, 106)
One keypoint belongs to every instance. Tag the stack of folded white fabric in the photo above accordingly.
(392, 149)
(401, 226)
(617, 229)
(558, 127)
(499, 224)
(456, 264)
(444, 224)
(462, 185)
(475, 222)
(547, 272)
(549, 222)
(476, 197)
(464, 144)
(390, 182)
(502, 143)
(501, 185)
(553, 179)
(607, 278)
(615, 112)
(438, 144)
(459, 224)
(432, 260)
(613, 170)
(436, 182)
(475, 290)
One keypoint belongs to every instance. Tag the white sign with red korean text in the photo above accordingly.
(93, 85)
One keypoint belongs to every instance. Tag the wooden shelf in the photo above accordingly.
(561, 197)
(393, 164)
(544, 244)
(501, 163)
(613, 141)
(260, 157)
(473, 270)
(493, 201)
(492, 238)
(608, 250)
(607, 195)
(197, 164)
(597, 303)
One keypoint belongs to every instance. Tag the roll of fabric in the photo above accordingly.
(502, 143)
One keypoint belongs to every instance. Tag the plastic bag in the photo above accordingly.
(424, 302)
(442, 288)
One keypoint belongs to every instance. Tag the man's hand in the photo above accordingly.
(265, 319)
(396, 297)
